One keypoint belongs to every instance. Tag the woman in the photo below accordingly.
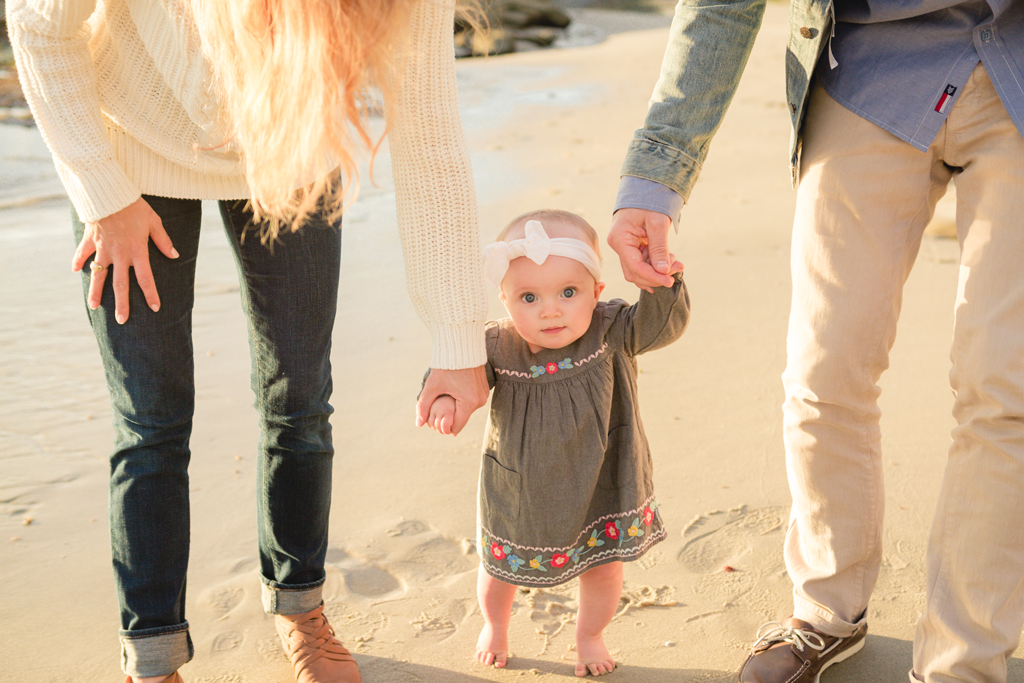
(150, 107)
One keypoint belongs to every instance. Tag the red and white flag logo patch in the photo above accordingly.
(944, 100)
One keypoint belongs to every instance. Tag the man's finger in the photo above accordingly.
(657, 251)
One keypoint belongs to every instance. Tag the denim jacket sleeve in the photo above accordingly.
(708, 48)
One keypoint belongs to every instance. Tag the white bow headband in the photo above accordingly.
(537, 246)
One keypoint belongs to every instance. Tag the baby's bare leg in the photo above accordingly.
(600, 589)
(496, 605)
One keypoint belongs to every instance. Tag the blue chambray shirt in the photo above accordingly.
(900, 65)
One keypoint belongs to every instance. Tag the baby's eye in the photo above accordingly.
(529, 298)
(569, 292)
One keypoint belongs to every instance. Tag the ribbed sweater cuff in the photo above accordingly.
(103, 191)
(457, 346)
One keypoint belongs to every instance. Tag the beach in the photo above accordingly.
(546, 129)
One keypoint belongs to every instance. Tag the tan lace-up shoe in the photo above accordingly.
(173, 678)
(317, 656)
(796, 652)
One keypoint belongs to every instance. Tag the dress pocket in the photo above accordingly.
(499, 494)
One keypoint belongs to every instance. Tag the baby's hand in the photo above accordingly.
(442, 414)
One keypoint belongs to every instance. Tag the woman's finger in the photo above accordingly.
(97, 277)
(120, 284)
(86, 248)
(144, 276)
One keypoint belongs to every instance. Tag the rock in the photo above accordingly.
(511, 25)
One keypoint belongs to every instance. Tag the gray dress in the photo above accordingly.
(565, 483)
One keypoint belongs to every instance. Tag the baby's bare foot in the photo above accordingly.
(492, 647)
(592, 656)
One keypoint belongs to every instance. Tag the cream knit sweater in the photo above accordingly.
(121, 93)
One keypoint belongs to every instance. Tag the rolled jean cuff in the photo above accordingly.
(155, 651)
(296, 598)
(824, 619)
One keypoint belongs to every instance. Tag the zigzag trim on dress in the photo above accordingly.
(514, 373)
(596, 523)
(528, 579)
(592, 356)
(578, 363)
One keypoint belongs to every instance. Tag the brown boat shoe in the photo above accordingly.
(316, 655)
(796, 652)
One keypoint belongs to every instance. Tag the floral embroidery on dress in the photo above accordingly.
(550, 368)
(615, 533)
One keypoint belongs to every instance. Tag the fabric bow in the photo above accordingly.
(536, 246)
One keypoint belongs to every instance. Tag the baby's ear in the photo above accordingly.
(598, 288)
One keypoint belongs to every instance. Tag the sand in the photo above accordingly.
(546, 128)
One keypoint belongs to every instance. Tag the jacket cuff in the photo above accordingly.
(457, 346)
(661, 164)
(103, 191)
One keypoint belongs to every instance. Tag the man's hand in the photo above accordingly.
(467, 387)
(640, 238)
(121, 240)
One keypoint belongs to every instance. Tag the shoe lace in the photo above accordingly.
(774, 632)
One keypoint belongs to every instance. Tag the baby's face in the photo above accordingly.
(552, 304)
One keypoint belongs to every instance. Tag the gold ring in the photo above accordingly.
(95, 267)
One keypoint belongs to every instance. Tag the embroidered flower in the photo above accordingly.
(552, 368)
(611, 529)
(536, 563)
(559, 559)
(537, 370)
(648, 516)
(497, 551)
(634, 529)
(565, 364)
(594, 540)
(574, 555)
(515, 562)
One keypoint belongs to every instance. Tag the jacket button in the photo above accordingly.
(792, 107)
(806, 32)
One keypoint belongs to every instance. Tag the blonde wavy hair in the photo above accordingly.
(294, 75)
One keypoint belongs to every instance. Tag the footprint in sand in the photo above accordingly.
(229, 640)
(362, 578)
(737, 539)
(223, 599)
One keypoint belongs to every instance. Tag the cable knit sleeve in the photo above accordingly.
(436, 200)
(50, 41)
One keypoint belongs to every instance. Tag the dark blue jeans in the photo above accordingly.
(290, 295)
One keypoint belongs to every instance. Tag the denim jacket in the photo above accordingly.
(708, 49)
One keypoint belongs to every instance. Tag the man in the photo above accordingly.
(889, 101)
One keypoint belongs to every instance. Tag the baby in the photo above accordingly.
(565, 485)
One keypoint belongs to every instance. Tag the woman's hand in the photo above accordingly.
(468, 387)
(121, 240)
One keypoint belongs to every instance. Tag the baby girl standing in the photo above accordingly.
(565, 485)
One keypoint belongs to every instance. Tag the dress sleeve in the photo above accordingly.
(50, 42)
(657, 319)
(435, 196)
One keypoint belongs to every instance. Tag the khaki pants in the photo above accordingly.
(864, 200)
